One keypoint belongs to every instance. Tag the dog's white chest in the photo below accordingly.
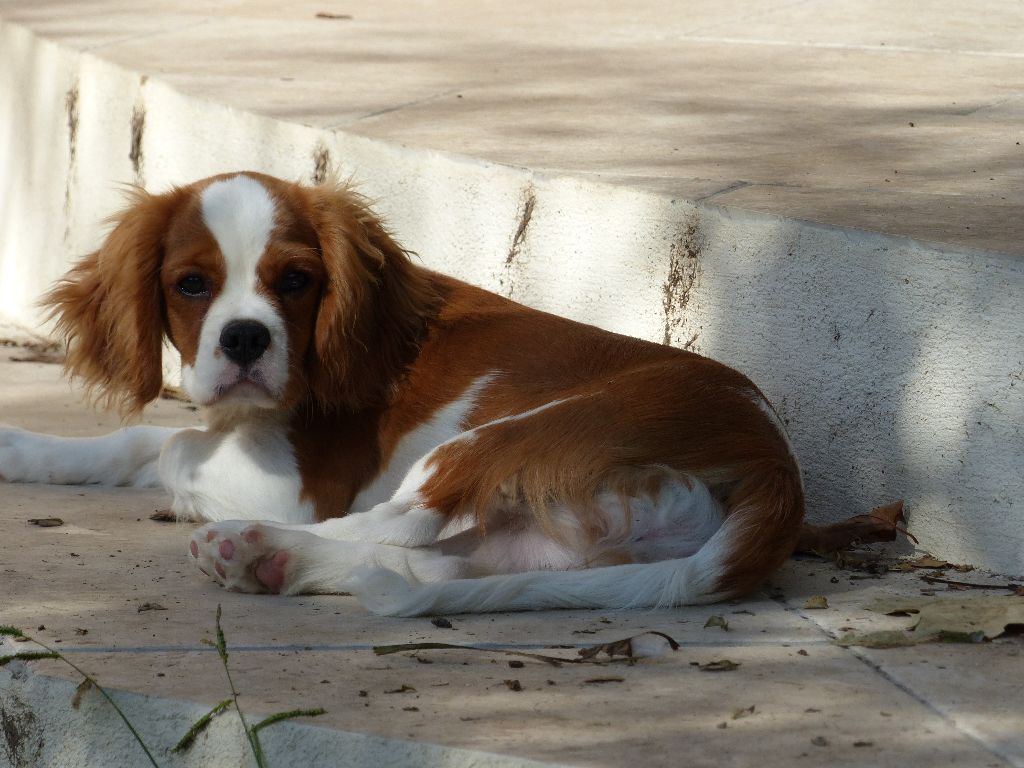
(248, 472)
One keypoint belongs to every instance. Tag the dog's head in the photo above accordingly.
(273, 293)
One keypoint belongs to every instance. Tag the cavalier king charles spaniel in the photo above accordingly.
(377, 428)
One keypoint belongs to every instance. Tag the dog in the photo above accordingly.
(377, 428)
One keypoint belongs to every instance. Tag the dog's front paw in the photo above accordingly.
(242, 556)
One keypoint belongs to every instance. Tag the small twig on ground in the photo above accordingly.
(969, 584)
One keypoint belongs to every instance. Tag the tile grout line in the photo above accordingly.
(139, 36)
(344, 647)
(905, 688)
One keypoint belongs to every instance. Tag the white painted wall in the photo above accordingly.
(899, 367)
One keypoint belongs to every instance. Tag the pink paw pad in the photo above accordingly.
(252, 535)
(226, 549)
(194, 549)
(270, 571)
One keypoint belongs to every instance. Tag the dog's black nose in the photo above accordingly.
(243, 341)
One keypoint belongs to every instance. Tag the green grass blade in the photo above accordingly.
(199, 726)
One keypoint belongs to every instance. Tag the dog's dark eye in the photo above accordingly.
(193, 286)
(293, 282)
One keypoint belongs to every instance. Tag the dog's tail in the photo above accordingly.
(763, 517)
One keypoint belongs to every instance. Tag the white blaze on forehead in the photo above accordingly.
(239, 212)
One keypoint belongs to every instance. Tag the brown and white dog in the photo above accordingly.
(381, 429)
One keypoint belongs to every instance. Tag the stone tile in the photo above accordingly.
(79, 587)
(973, 686)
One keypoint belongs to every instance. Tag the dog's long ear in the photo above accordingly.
(109, 308)
(374, 306)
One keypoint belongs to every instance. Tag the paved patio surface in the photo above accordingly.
(80, 588)
(890, 117)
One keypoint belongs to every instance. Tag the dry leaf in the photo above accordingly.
(403, 689)
(927, 561)
(717, 621)
(80, 691)
(881, 524)
(742, 712)
(644, 645)
(150, 607)
(46, 522)
(513, 685)
(722, 665)
(817, 602)
(954, 616)
(889, 638)
(594, 680)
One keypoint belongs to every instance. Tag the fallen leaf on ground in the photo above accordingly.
(716, 621)
(163, 516)
(722, 665)
(872, 563)
(46, 522)
(956, 617)
(644, 645)
(887, 638)
(403, 689)
(80, 691)
(881, 524)
(151, 607)
(514, 685)
(816, 603)
(598, 680)
(742, 712)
